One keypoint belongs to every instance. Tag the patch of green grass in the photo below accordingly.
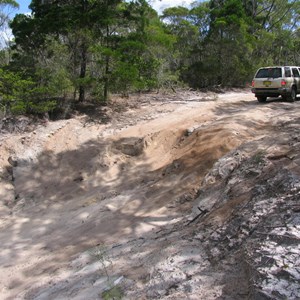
(114, 293)
(258, 157)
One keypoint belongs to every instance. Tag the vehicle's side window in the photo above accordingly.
(276, 73)
(296, 72)
(287, 72)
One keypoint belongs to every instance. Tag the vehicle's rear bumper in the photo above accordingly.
(271, 92)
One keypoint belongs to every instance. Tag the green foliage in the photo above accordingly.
(12, 88)
(18, 95)
(175, 15)
(258, 157)
(114, 293)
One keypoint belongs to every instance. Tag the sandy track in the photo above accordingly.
(78, 184)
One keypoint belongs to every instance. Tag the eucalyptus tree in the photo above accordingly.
(233, 37)
(5, 7)
(178, 21)
(275, 25)
(141, 48)
(99, 46)
(215, 43)
(76, 23)
(229, 42)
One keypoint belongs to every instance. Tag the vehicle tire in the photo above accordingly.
(261, 98)
(293, 95)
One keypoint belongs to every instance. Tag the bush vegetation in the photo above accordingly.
(74, 51)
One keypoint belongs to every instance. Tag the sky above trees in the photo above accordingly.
(158, 5)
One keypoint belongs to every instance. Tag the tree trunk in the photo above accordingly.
(106, 79)
(105, 92)
(82, 72)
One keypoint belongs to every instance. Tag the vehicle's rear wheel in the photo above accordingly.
(293, 95)
(261, 98)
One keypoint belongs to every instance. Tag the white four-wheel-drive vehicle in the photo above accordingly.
(276, 81)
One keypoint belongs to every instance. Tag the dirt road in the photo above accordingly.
(131, 196)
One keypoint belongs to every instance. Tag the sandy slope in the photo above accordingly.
(76, 184)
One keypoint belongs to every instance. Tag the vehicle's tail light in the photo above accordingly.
(252, 83)
(283, 82)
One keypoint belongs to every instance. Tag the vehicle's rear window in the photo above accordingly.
(269, 73)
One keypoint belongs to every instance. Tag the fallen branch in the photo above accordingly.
(201, 214)
(279, 235)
